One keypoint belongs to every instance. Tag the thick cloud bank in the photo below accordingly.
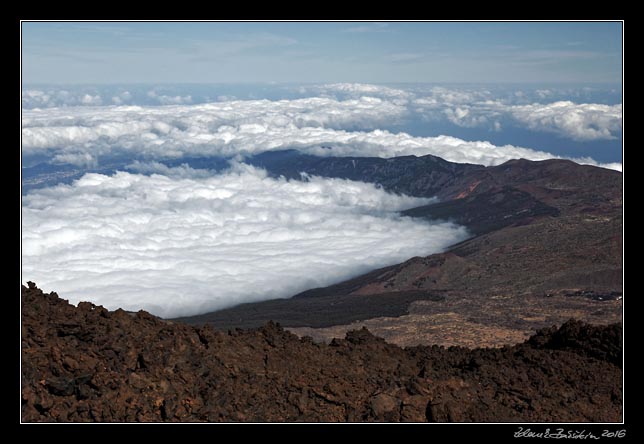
(184, 245)
(481, 107)
(579, 121)
(82, 135)
(568, 112)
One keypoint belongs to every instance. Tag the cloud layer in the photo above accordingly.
(549, 110)
(183, 245)
(356, 90)
(223, 128)
(482, 108)
(95, 96)
(578, 121)
(82, 135)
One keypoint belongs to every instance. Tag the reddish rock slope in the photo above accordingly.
(88, 364)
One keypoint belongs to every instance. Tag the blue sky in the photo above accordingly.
(128, 52)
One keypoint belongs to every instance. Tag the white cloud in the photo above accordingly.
(54, 98)
(248, 127)
(169, 100)
(88, 99)
(122, 98)
(611, 166)
(182, 171)
(84, 160)
(34, 98)
(174, 100)
(466, 108)
(213, 128)
(447, 96)
(361, 89)
(385, 144)
(478, 108)
(463, 106)
(180, 246)
(586, 121)
(462, 116)
(543, 93)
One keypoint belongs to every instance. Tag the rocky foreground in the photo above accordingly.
(86, 363)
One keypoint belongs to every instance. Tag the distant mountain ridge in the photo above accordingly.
(415, 176)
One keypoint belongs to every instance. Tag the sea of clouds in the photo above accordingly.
(176, 245)
(178, 241)
(324, 125)
(481, 107)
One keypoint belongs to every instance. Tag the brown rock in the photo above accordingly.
(384, 405)
(91, 365)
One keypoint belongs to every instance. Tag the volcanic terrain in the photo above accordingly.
(519, 323)
(88, 364)
(546, 246)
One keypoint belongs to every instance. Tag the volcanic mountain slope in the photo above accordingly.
(547, 247)
(88, 364)
(415, 176)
